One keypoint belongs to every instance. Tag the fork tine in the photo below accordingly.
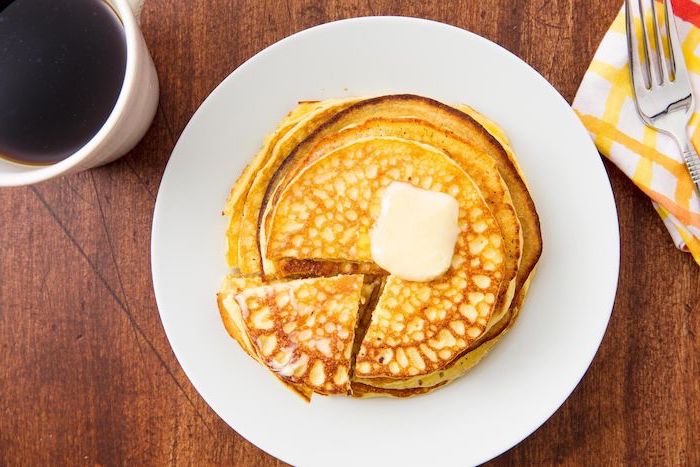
(669, 19)
(639, 68)
(661, 66)
(678, 68)
(652, 72)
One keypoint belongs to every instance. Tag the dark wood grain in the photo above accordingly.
(86, 372)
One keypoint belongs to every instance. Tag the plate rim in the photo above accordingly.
(615, 265)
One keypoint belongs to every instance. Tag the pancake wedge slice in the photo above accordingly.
(425, 383)
(303, 330)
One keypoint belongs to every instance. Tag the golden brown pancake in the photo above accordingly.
(303, 330)
(480, 167)
(232, 317)
(417, 327)
(401, 364)
(448, 119)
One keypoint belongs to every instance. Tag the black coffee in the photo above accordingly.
(62, 65)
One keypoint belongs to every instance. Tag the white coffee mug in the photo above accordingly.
(126, 124)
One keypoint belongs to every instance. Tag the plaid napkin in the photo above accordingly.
(652, 160)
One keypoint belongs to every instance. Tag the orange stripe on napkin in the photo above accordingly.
(598, 126)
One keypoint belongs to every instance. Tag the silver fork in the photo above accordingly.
(662, 91)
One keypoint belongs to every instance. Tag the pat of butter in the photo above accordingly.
(415, 233)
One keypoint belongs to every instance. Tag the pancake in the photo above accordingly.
(232, 317)
(409, 338)
(467, 124)
(327, 211)
(449, 120)
(422, 384)
(481, 168)
(266, 165)
(303, 330)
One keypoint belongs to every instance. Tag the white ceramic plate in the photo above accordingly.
(523, 380)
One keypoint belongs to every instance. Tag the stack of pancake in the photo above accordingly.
(306, 299)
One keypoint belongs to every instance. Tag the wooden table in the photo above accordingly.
(86, 372)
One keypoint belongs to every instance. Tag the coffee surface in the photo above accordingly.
(62, 65)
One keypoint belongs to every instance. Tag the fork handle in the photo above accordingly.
(692, 161)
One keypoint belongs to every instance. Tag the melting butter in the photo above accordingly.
(415, 233)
